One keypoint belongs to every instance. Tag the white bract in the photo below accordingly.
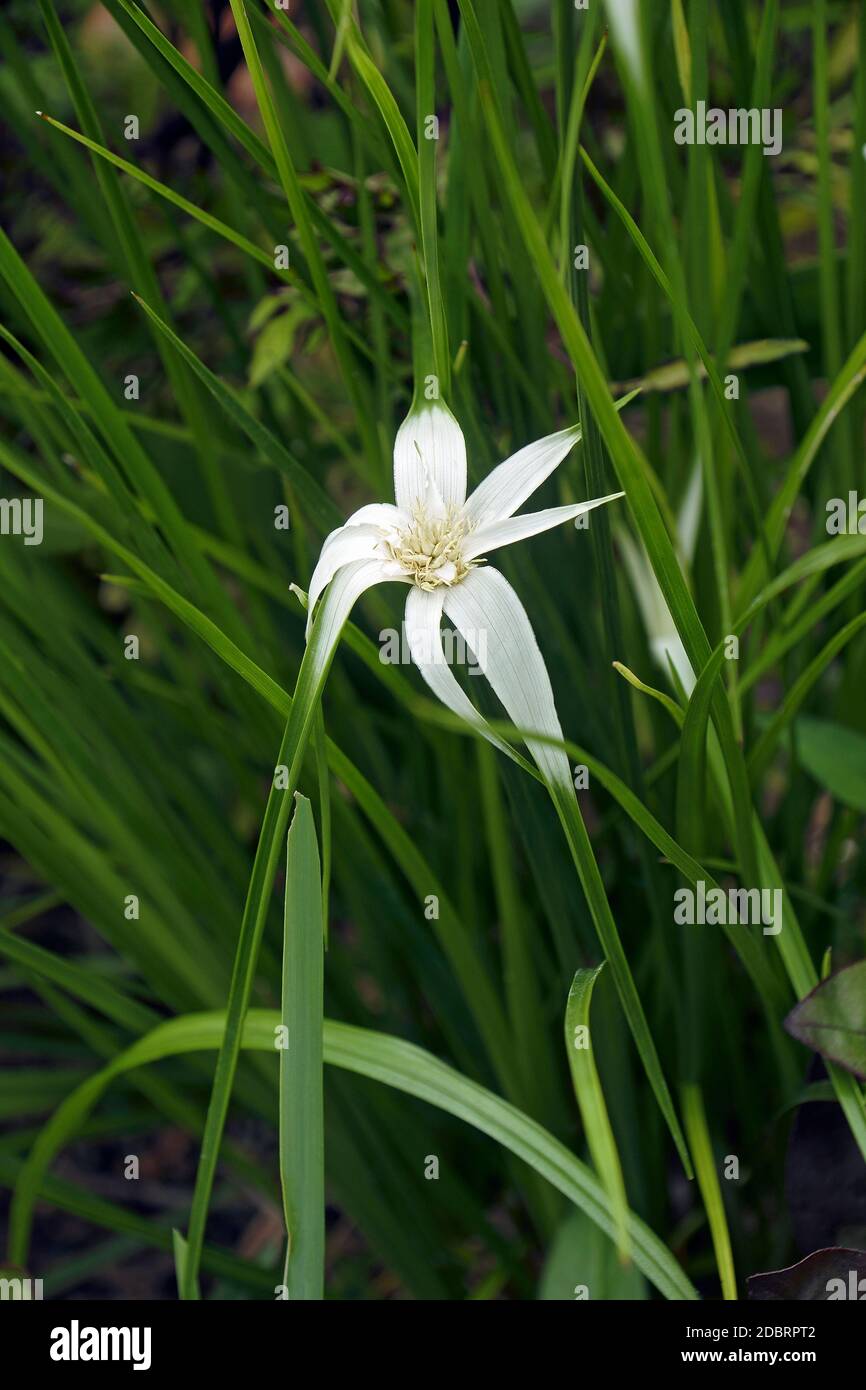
(665, 642)
(436, 540)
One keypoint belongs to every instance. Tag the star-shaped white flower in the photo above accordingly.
(435, 539)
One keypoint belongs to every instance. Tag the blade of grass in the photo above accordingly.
(831, 311)
(708, 1182)
(301, 1125)
(425, 58)
(590, 1099)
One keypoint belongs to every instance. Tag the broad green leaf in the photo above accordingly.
(832, 1019)
(582, 1265)
(273, 346)
(835, 756)
(763, 749)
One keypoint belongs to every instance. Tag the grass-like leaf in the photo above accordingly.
(302, 1144)
(590, 1099)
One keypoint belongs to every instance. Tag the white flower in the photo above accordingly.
(436, 540)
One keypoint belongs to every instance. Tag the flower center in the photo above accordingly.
(429, 550)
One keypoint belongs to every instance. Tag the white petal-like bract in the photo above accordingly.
(429, 444)
(509, 485)
(342, 547)
(383, 514)
(512, 662)
(517, 528)
(424, 636)
(346, 587)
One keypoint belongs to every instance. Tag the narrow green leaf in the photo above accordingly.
(590, 1099)
(302, 1143)
(682, 50)
(425, 59)
(178, 1245)
(708, 1181)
